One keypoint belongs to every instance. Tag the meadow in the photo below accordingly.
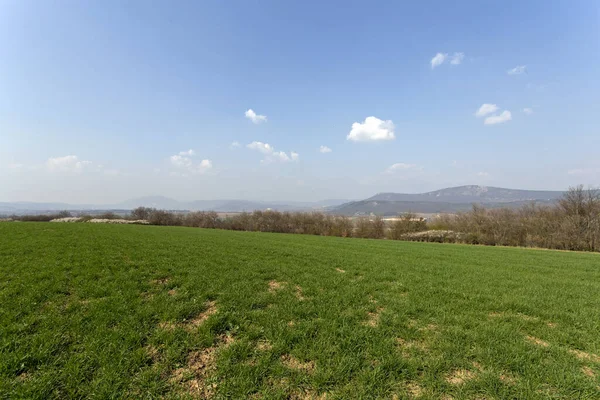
(128, 311)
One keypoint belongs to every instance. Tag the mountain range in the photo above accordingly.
(445, 200)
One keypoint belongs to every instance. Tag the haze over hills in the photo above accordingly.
(444, 200)
(166, 203)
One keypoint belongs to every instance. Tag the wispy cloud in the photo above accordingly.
(184, 163)
(402, 167)
(264, 148)
(518, 70)
(372, 129)
(271, 155)
(324, 149)
(254, 117)
(66, 164)
(438, 59)
(505, 116)
(234, 145)
(457, 58)
(528, 110)
(486, 109)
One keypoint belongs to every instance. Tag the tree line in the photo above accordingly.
(573, 223)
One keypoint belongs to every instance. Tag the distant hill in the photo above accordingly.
(472, 194)
(447, 200)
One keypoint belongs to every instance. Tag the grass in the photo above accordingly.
(109, 311)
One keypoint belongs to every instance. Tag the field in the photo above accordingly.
(111, 311)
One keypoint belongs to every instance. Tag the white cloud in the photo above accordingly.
(254, 117)
(402, 167)
(324, 149)
(188, 165)
(205, 164)
(277, 156)
(528, 110)
(457, 58)
(181, 161)
(486, 109)
(190, 152)
(483, 174)
(264, 148)
(66, 164)
(372, 129)
(505, 116)
(518, 70)
(438, 59)
(235, 144)
(270, 154)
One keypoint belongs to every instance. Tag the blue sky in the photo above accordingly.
(98, 99)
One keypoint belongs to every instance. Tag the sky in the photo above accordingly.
(104, 101)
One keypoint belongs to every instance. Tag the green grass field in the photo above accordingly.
(108, 311)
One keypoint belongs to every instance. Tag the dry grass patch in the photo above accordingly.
(460, 376)
(172, 292)
(587, 371)
(200, 365)
(551, 324)
(23, 376)
(496, 314)
(160, 281)
(412, 323)
(274, 286)
(264, 345)
(226, 340)
(291, 323)
(298, 293)
(167, 326)
(508, 379)
(293, 363)
(582, 355)
(429, 328)
(373, 317)
(341, 271)
(211, 308)
(537, 341)
(414, 390)
(526, 317)
(405, 346)
(152, 352)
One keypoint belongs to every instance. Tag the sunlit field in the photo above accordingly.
(115, 311)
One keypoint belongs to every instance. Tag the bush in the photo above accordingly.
(407, 223)
(161, 217)
(141, 213)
